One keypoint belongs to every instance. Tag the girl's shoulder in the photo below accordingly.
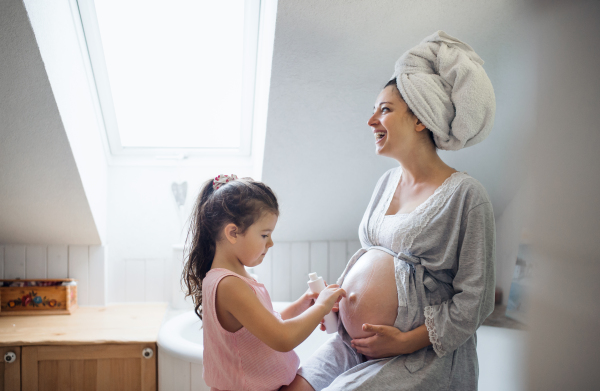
(216, 275)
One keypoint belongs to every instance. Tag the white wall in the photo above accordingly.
(61, 42)
(318, 146)
(144, 222)
(318, 152)
(143, 219)
(53, 171)
(331, 59)
(268, 17)
(42, 197)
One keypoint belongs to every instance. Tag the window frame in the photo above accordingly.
(95, 52)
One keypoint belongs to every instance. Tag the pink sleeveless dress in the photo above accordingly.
(240, 361)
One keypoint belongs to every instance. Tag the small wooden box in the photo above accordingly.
(38, 297)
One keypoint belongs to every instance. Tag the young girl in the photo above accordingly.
(247, 345)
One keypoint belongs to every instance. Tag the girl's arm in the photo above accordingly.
(238, 299)
(299, 306)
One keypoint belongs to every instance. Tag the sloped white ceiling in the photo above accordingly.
(331, 59)
(42, 199)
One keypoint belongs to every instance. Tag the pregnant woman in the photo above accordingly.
(423, 281)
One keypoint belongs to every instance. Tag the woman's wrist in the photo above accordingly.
(414, 340)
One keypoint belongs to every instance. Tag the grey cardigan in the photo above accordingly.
(445, 276)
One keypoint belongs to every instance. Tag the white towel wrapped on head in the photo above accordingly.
(443, 82)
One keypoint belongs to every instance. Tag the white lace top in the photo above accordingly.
(408, 225)
(389, 227)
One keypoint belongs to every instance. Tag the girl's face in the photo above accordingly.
(393, 124)
(252, 246)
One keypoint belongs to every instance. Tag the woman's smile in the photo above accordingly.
(379, 136)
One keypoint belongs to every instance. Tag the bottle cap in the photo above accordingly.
(313, 276)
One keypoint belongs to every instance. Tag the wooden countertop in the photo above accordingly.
(117, 323)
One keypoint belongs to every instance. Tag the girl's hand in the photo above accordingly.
(303, 303)
(388, 341)
(329, 296)
(307, 299)
(336, 308)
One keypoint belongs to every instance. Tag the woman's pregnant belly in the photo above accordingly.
(371, 293)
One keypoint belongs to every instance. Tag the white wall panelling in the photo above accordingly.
(97, 276)
(155, 280)
(35, 262)
(319, 255)
(135, 271)
(196, 381)
(140, 280)
(265, 271)
(58, 261)
(176, 370)
(14, 261)
(337, 260)
(116, 280)
(282, 271)
(352, 246)
(79, 269)
(300, 268)
(86, 264)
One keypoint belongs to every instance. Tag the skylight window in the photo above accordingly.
(174, 76)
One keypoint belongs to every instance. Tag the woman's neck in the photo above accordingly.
(423, 165)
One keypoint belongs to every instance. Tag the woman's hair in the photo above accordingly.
(394, 83)
(241, 202)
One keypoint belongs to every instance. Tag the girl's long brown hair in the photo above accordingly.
(241, 202)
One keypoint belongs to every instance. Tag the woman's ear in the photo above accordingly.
(231, 233)
(419, 126)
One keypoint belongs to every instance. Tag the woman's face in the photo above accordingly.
(395, 128)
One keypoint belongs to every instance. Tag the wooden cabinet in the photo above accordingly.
(114, 367)
(10, 372)
(96, 348)
(127, 367)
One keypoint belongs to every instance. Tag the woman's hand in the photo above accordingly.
(389, 341)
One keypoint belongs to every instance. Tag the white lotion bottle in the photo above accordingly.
(316, 285)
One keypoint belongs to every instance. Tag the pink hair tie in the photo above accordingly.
(221, 180)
